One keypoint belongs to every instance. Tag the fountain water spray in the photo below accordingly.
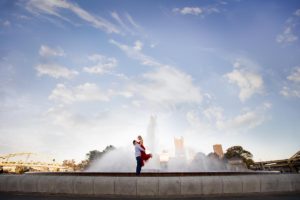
(122, 159)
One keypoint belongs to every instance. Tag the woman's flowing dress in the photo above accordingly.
(145, 157)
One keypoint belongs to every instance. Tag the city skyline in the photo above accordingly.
(80, 75)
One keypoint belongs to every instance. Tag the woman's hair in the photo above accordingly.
(139, 137)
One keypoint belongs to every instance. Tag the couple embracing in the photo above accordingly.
(140, 154)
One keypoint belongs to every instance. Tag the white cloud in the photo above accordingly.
(46, 51)
(136, 103)
(249, 83)
(102, 64)
(213, 119)
(213, 113)
(23, 17)
(189, 10)
(288, 35)
(153, 45)
(132, 22)
(125, 27)
(136, 54)
(247, 120)
(167, 86)
(81, 93)
(211, 9)
(128, 24)
(204, 122)
(55, 71)
(138, 45)
(6, 23)
(267, 105)
(292, 89)
(288, 92)
(297, 12)
(60, 115)
(199, 11)
(197, 124)
(54, 7)
(295, 76)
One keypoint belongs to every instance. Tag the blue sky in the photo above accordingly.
(80, 75)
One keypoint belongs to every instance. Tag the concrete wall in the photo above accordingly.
(151, 186)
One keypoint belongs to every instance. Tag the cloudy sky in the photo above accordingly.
(80, 75)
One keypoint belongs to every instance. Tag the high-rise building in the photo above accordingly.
(218, 150)
(179, 147)
(151, 135)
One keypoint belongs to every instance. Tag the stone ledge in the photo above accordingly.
(151, 186)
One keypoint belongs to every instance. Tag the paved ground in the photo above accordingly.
(11, 196)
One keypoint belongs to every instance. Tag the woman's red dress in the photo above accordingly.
(145, 157)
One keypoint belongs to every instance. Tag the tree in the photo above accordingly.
(82, 165)
(70, 164)
(239, 152)
(95, 154)
(109, 148)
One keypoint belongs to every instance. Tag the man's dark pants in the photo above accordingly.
(138, 165)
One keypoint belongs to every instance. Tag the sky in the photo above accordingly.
(80, 75)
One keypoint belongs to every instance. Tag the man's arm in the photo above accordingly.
(140, 148)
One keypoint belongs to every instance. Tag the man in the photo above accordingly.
(138, 157)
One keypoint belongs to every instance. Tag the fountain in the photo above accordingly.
(122, 160)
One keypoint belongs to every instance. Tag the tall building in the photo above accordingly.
(179, 147)
(151, 135)
(218, 150)
(164, 159)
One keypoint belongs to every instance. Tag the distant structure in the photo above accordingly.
(218, 150)
(164, 158)
(8, 163)
(290, 165)
(179, 147)
(151, 139)
(179, 161)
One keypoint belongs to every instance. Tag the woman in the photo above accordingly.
(145, 157)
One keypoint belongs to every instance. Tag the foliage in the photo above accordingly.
(91, 157)
(70, 164)
(21, 169)
(95, 154)
(239, 152)
(82, 165)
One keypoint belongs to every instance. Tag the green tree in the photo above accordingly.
(70, 164)
(82, 165)
(109, 148)
(95, 154)
(239, 152)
